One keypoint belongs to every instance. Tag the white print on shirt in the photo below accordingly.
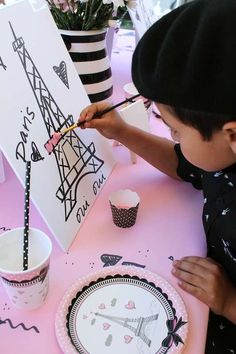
(217, 174)
(207, 217)
(221, 326)
(192, 175)
(225, 211)
(230, 184)
(205, 200)
(226, 176)
(226, 249)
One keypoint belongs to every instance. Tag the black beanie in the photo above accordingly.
(187, 59)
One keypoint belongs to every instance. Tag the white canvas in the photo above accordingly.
(41, 93)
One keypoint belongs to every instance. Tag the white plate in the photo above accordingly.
(121, 310)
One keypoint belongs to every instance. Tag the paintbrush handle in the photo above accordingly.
(101, 113)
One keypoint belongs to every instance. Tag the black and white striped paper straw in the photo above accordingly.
(26, 215)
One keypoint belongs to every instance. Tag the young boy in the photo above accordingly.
(186, 63)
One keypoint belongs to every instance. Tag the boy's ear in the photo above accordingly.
(229, 130)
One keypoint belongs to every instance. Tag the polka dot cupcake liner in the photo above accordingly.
(124, 207)
(124, 217)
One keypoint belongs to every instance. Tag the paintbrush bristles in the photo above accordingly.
(52, 142)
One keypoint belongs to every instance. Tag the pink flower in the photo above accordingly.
(61, 4)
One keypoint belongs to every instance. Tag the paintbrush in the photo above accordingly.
(101, 113)
(52, 142)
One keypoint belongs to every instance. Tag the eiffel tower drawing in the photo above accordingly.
(74, 159)
(135, 325)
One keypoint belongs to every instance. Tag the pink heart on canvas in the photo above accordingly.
(106, 326)
(102, 306)
(130, 305)
(127, 339)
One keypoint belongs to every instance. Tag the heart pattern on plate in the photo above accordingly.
(106, 326)
(127, 339)
(102, 306)
(130, 305)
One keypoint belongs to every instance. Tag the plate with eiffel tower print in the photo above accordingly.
(122, 309)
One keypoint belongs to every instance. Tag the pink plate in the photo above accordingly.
(121, 309)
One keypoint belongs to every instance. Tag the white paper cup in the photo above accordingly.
(130, 90)
(124, 207)
(27, 289)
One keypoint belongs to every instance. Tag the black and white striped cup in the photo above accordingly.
(88, 52)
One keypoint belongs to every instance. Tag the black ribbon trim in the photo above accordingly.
(173, 326)
(37, 279)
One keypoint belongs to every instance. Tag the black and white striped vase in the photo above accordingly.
(88, 51)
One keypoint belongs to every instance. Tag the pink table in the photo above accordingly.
(168, 224)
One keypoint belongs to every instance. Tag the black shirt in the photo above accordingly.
(219, 221)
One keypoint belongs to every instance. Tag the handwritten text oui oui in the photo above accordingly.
(82, 210)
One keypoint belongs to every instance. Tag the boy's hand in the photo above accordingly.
(206, 280)
(110, 125)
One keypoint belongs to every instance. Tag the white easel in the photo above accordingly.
(136, 114)
(2, 173)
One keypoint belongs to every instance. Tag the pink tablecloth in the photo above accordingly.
(168, 225)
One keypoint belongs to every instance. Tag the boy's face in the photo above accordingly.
(212, 155)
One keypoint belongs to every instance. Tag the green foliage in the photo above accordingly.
(81, 15)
